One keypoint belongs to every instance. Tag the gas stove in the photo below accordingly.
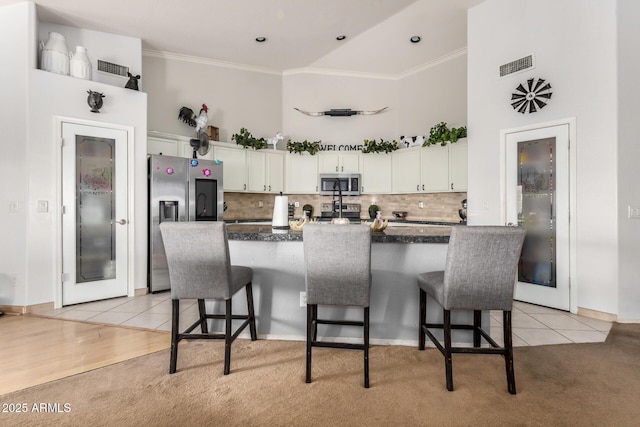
(332, 210)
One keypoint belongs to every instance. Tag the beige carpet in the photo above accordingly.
(560, 385)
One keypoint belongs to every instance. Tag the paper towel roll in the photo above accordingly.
(281, 213)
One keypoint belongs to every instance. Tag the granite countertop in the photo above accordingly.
(408, 234)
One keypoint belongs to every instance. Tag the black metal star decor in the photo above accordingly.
(532, 98)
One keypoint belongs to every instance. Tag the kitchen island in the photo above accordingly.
(398, 255)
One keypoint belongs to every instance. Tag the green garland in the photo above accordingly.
(441, 134)
(247, 140)
(371, 146)
(300, 147)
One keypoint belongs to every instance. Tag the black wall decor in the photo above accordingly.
(531, 98)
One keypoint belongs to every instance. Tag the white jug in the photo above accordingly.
(79, 65)
(55, 56)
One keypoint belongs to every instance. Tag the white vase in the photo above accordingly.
(55, 55)
(79, 64)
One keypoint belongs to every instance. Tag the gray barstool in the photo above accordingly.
(480, 274)
(199, 268)
(338, 273)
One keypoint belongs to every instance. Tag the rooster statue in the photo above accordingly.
(199, 121)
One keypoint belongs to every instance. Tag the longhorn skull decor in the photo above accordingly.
(341, 112)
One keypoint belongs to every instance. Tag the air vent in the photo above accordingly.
(516, 66)
(111, 68)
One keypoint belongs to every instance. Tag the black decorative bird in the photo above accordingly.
(199, 121)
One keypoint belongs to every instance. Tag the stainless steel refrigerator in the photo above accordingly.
(180, 189)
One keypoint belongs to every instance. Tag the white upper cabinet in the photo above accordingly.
(431, 169)
(338, 163)
(458, 166)
(301, 173)
(265, 171)
(434, 168)
(406, 170)
(160, 145)
(376, 173)
(234, 169)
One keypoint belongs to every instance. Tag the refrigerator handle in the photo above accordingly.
(168, 211)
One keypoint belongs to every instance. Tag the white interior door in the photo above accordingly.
(537, 198)
(94, 220)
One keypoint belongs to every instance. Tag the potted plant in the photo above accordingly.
(441, 134)
(308, 209)
(373, 209)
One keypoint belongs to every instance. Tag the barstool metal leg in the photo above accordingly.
(447, 349)
(252, 316)
(477, 324)
(508, 346)
(227, 337)
(423, 319)
(366, 347)
(310, 328)
(175, 321)
(203, 317)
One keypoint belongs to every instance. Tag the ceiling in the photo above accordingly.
(300, 33)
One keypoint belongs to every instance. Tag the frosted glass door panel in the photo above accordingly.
(95, 204)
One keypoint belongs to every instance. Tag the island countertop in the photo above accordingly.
(406, 234)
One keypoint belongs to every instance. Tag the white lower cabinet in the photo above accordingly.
(376, 173)
(301, 173)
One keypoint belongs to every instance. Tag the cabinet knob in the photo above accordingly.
(264, 187)
(269, 188)
(336, 169)
(418, 187)
(245, 186)
(422, 187)
(452, 185)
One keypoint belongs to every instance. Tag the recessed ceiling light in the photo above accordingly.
(415, 39)
(341, 37)
(261, 39)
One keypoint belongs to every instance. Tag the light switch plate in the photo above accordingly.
(43, 206)
(634, 212)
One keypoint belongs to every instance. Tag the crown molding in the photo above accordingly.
(207, 61)
(307, 70)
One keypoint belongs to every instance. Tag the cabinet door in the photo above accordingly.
(349, 163)
(458, 166)
(376, 173)
(435, 168)
(275, 171)
(406, 170)
(256, 171)
(302, 173)
(328, 163)
(234, 167)
(167, 147)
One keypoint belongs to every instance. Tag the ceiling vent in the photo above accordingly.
(111, 68)
(517, 66)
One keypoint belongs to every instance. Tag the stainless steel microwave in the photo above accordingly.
(335, 183)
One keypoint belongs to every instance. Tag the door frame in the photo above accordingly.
(57, 211)
(571, 123)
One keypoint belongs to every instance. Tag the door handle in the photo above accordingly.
(418, 187)
(269, 188)
(122, 222)
(452, 185)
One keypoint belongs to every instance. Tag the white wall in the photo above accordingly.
(14, 40)
(628, 157)
(29, 146)
(574, 42)
(321, 92)
(236, 98)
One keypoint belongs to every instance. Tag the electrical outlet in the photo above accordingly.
(261, 204)
(13, 207)
(303, 299)
(634, 212)
(296, 204)
(421, 205)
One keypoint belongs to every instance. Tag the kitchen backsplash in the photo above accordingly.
(437, 206)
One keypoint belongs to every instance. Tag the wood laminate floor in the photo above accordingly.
(36, 350)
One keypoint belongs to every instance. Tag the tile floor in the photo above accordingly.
(532, 325)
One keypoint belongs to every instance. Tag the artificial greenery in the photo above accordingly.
(300, 147)
(441, 134)
(247, 140)
(371, 146)
(309, 209)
